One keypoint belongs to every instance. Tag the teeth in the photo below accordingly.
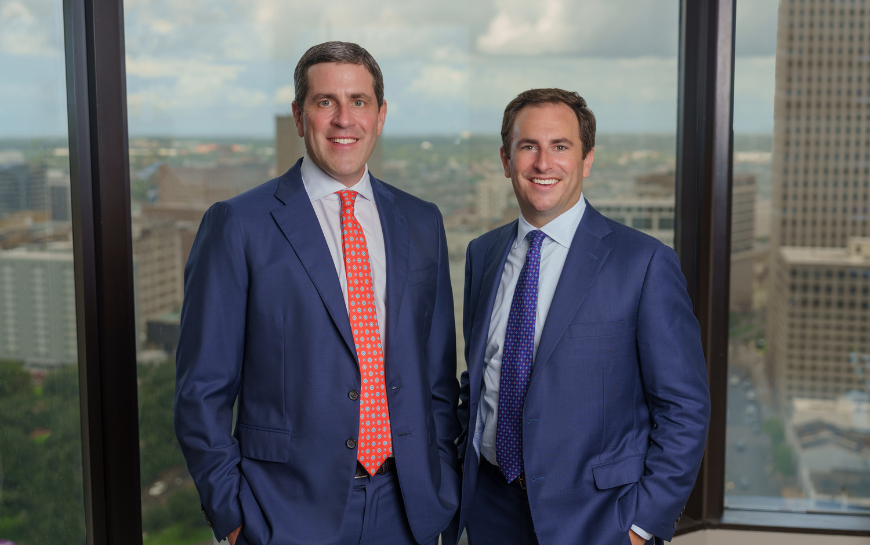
(541, 181)
(343, 140)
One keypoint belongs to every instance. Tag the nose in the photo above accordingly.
(343, 118)
(542, 161)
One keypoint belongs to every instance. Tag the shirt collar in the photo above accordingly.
(319, 184)
(561, 229)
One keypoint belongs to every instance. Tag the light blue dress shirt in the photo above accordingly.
(554, 251)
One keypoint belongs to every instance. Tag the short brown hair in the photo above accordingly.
(342, 53)
(540, 97)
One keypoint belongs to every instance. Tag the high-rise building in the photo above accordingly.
(159, 280)
(37, 305)
(820, 177)
(492, 199)
(818, 321)
(57, 182)
(207, 185)
(821, 147)
(650, 208)
(22, 184)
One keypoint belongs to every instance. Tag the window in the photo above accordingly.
(209, 107)
(41, 488)
(800, 420)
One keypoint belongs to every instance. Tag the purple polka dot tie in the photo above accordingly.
(516, 362)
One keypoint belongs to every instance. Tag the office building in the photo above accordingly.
(158, 279)
(22, 184)
(820, 171)
(37, 305)
(207, 185)
(819, 319)
(650, 208)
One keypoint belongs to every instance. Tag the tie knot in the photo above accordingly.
(348, 199)
(536, 238)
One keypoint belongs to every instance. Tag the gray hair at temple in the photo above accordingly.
(342, 53)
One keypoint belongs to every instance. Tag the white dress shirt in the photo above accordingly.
(554, 250)
(321, 189)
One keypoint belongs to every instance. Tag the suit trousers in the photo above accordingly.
(500, 513)
(375, 513)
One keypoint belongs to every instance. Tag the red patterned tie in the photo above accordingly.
(375, 443)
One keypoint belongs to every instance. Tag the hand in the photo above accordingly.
(235, 535)
(635, 539)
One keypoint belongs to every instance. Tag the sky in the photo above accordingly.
(225, 67)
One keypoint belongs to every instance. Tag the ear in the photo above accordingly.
(382, 116)
(587, 163)
(505, 162)
(297, 117)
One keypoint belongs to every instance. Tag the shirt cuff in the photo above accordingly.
(641, 532)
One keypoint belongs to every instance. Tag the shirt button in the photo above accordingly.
(353, 395)
(350, 443)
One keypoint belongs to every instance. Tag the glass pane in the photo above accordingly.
(798, 425)
(210, 87)
(41, 492)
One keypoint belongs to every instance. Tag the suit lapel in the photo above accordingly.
(397, 243)
(496, 255)
(300, 226)
(582, 265)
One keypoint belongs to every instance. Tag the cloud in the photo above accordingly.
(285, 95)
(29, 29)
(441, 81)
(514, 32)
(594, 28)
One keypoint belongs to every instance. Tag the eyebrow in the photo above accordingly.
(557, 141)
(353, 96)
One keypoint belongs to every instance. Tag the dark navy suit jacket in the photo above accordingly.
(616, 414)
(264, 319)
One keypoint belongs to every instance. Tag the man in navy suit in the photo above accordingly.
(585, 404)
(322, 300)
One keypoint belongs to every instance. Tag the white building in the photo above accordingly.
(37, 305)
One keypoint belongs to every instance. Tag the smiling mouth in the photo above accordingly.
(543, 181)
(343, 140)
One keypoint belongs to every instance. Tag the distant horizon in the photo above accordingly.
(12, 138)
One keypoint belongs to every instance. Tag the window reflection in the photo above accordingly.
(798, 428)
(41, 489)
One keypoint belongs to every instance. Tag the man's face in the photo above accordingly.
(546, 164)
(340, 120)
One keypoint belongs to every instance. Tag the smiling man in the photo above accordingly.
(585, 404)
(322, 300)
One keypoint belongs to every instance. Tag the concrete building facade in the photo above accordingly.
(158, 278)
(819, 318)
(37, 305)
(818, 305)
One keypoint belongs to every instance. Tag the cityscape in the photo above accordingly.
(798, 418)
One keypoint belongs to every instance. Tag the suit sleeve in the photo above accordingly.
(674, 378)
(209, 364)
(464, 385)
(441, 355)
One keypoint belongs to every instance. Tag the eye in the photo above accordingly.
(527, 147)
(358, 102)
(561, 147)
(324, 102)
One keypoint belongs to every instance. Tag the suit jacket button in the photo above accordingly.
(353, 395)
(350, 443)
